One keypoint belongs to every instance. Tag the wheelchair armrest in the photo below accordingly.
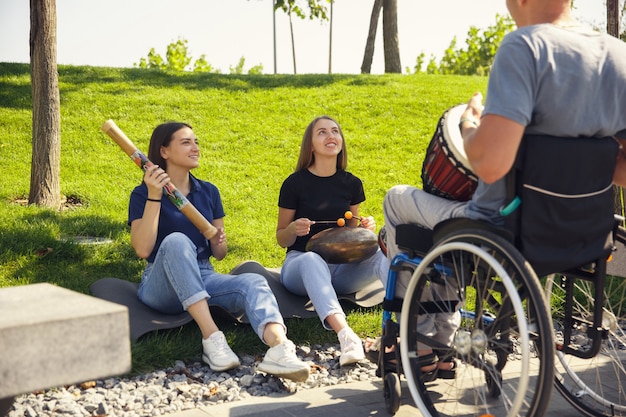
(414, 239)
(450, 226)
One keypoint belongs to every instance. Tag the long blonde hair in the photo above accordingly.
(307, 158)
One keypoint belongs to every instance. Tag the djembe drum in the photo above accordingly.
(446, 171)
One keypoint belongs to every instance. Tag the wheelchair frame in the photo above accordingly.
(482, 244)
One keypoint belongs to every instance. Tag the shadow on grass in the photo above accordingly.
(33, 252)
(15, 88)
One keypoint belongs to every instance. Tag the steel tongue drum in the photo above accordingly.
(342, 245)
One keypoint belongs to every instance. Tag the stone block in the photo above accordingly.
(51, 336)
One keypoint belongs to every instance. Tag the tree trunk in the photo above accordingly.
(368, 57)
(612, 17)
(330, 39)
(390, 37)
(45, 189)
(293, 42)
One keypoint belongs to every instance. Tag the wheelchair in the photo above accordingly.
(517, 335)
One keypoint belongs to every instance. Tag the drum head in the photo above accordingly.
(342, 245)
(452, 134)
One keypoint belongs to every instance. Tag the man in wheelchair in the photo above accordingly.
(555, 90)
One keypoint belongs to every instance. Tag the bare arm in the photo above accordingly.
(366, 222)
(289, 229)
(219, 248)
(143, 231)
(491, 143)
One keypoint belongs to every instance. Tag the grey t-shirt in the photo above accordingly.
(557, 81)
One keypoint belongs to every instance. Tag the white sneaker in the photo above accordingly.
(218, 354)
(351, 347)
(281, 361)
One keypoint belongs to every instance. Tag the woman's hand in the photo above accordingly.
(368, 223)
(302, 226)
(155, 179)
(218, 242)
(219, 238)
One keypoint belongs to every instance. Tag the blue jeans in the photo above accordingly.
(177, 280)
(306, 273)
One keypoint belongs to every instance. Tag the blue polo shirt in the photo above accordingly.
(203, 195)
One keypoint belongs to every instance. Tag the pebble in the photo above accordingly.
(186, 386)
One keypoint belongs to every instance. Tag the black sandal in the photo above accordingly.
(423, 361)
(389, 360)
(447, 373)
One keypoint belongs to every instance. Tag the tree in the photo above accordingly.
(316, 11)
(45, 185)
(614, 21)
(612, 14)
(477, 58)
(390, 37)
(368, 57)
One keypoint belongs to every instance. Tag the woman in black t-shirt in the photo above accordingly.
(321, 189)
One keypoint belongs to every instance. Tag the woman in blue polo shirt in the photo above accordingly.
(179, 274)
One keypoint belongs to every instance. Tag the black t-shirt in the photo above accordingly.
(319, 198)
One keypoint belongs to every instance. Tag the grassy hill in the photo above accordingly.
(249, 127)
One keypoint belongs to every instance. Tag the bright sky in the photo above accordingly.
(117, 33)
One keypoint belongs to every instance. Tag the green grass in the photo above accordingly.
(249, 127)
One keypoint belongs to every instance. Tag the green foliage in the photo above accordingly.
(177, 55)
(258, 69)
(202, 65)
(154, 61)
(250, 128)
(315, 7)
(477, 57)
(179, 60)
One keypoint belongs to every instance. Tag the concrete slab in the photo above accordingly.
(51, 336)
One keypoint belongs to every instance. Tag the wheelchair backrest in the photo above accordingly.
(566, 215)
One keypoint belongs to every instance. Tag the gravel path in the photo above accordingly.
(185, 386)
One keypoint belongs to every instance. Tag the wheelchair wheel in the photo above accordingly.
(478, 281)
(595, 386)
(392, 392)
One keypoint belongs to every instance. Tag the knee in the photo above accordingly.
(178, 241)
(394, 193)
(252, 281)
(312, 265)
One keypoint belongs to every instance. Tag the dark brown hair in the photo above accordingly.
(162, 136)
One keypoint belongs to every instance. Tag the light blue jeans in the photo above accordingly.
(177, 280)
(306, 273)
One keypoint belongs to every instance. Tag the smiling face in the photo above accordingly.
(183, 149)
(327, 139)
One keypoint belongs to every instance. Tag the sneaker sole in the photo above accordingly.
(216, 368)
(297, 374)
(350, 361)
